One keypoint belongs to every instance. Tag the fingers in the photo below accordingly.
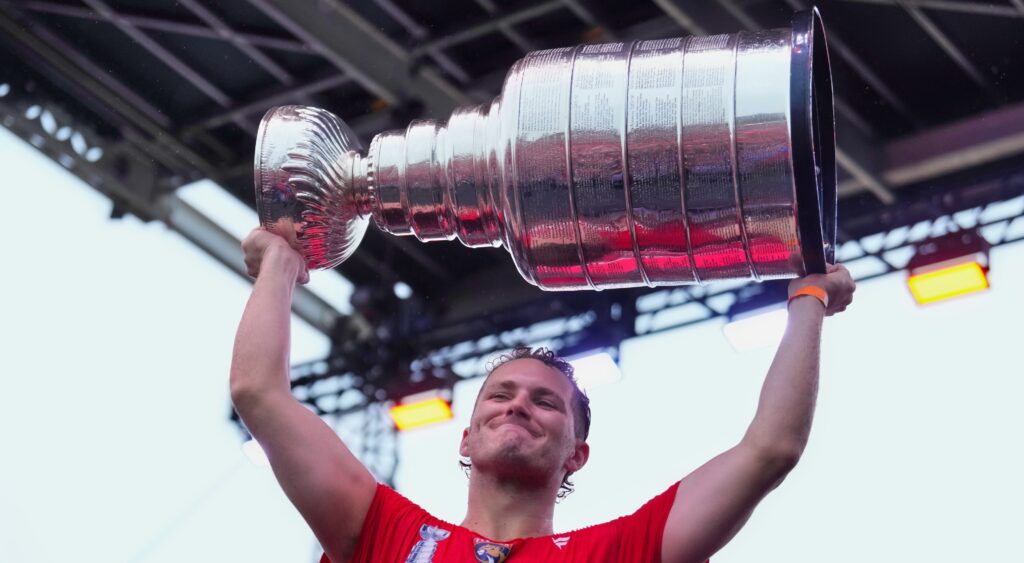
(252, 267)
(833, 268)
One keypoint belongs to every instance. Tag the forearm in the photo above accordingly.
(785, 410)
(260, 361)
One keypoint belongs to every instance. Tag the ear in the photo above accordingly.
(579, 457)
(464, 443)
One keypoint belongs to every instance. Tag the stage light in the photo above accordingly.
(758, 317)
(596, 368)
(419, 413)
(48, 122)
(594, 351)
(949, 266)
(952, 281)
(94, 154)
(402, 290)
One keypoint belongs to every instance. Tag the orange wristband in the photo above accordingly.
(813, 291)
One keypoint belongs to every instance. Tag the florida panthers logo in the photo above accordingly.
(490, 552)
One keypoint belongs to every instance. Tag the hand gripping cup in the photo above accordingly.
(664, 162)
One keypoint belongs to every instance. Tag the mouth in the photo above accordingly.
(519, 425)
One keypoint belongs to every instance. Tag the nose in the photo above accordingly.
(519, 405)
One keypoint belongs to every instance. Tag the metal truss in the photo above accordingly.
(956, 6)
(350, 380)
(370, 436)
(154, 155)
(131, 179)
(367, 57)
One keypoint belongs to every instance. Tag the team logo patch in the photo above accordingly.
(490, 552)
(423, 551)
(561, 542)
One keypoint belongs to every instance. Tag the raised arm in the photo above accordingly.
(326, 483)
(714, 501)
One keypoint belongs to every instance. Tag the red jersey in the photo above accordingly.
(396, 530)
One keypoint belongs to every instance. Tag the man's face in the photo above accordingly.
(523, 425)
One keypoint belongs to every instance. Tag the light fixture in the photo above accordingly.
(402, 290)
(596, 368)
(593, 352)
(949, 266)
(423, 409)
(757, 319)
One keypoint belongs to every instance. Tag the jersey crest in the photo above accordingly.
(491, 552)
(423, 551)
(561, 542)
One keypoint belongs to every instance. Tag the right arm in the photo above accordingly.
(322, 478)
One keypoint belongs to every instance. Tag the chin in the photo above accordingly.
(518, 464)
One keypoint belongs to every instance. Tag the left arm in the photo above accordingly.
(715, 501)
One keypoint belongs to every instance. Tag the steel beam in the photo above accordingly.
(558, 321)
(264, 101)
(854, 153)
(1019, 4)
(954, 52)
(128, 174)
(959, 6)
(361, 51)
(228, 34)
(584, 13)
(165, 56)
(525, 45)
(128, 177)
(108, 97)
(839, 46)
(419, 33)
(680, 16)
(491, 24)
(173, 62)
(944, 150)
(166, 25)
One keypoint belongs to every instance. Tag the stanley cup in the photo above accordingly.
(665, 162)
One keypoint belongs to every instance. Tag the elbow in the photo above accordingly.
(242, 391)
(779, 458)
(786, 458)
(236, 384)
(239, 396)
(249, 394)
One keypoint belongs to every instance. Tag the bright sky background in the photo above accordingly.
(115, 344)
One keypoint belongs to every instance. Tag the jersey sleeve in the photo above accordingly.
(640, 533)
(391, 526)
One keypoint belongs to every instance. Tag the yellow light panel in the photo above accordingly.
(953, 281)
(420, 413)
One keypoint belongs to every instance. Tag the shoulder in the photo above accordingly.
(395, 525)
(633, 537)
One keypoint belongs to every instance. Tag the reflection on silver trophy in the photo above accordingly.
(665, 162)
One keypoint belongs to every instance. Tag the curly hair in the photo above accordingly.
(580, 401)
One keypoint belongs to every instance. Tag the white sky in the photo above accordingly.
(115, 344)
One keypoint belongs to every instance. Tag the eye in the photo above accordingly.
(499, 396)
(546, 404)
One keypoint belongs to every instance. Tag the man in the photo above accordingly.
(526, 435)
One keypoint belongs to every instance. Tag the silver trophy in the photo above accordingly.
(665, 162)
